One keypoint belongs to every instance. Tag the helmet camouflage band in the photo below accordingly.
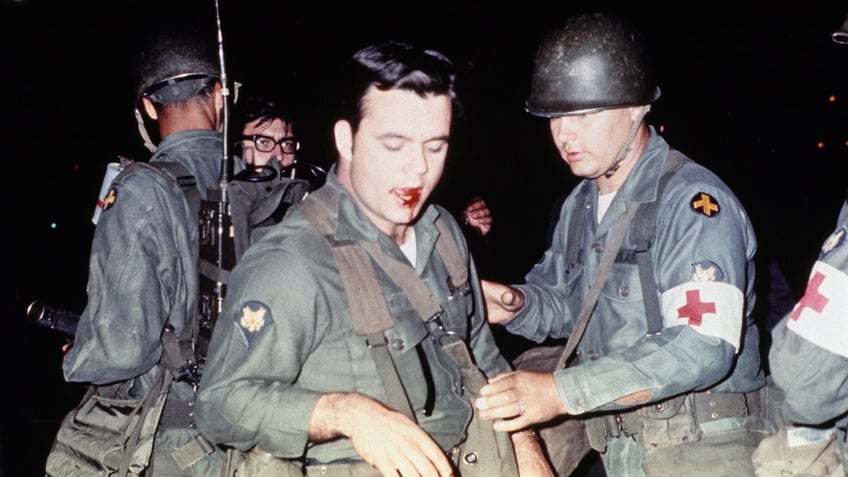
(175, 67)
(590, 62)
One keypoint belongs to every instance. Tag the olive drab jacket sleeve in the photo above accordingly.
(702, 255)
(809, 351)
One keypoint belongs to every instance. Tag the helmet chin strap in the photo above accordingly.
(628, 144)
(142, 131)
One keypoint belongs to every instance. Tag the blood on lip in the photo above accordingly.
(410, 196)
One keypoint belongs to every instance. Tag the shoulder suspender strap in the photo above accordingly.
(187, 183)
(405, 277)
(576, 228)
(370, 316)
(613, 243)
(644, 231)
(449, 251)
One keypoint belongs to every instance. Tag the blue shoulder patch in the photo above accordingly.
(252, 319)
(704, 203)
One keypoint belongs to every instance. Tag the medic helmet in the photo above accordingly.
(591, 61)
(841, 35)
(175, 66)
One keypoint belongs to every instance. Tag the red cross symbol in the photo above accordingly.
(694, 308)
(812, 298)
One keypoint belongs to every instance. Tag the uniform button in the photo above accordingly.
(597, 248)
(397, 344)
(623, 290)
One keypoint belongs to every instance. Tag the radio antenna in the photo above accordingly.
(225, 92)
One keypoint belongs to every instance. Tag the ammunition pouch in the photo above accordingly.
(107, 434)
(258, 463)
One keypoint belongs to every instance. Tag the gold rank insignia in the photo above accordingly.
(110, 199)
(705, 204)
(834, 240)
(252, 319)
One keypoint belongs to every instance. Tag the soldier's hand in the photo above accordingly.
(386, 438)
(502, 301)
(519, 399)
(478, 216)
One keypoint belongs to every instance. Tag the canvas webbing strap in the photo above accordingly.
(371, 317)
(644, 231)
(613, 243)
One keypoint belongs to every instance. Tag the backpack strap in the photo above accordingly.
(185, 180)
(178, 352)
(181, 355)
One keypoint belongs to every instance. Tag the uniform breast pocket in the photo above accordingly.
(459, 306)
(622, 284)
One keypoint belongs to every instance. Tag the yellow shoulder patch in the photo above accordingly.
(706, 204)
(252, 319)
(110, 199)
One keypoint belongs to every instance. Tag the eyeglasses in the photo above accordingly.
(263, 143)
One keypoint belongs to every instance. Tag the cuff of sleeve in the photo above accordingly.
(570, 391)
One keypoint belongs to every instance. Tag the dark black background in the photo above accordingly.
(745, 92)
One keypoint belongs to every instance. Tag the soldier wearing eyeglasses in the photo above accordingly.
(266, 132)
(268, 177)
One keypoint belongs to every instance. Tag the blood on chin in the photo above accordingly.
(409, 198)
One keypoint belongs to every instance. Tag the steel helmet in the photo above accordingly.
(175, 66)
(841, 35)
(591, 61)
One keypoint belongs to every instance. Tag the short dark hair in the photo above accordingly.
(251, 107)
(394, 65)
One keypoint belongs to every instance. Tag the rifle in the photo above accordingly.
(53, 318)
